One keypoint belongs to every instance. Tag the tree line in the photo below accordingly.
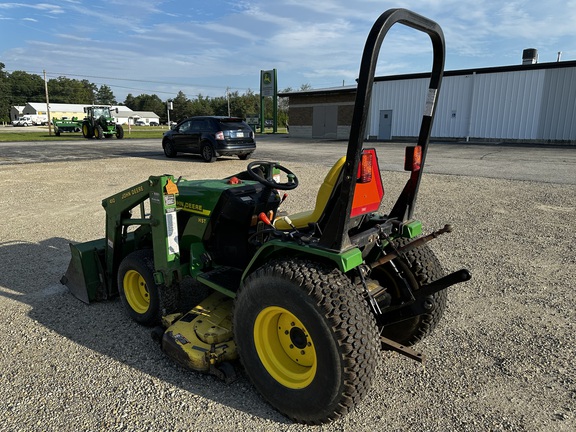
(19, 87)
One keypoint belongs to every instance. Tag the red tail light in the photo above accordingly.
(413, 158)
(365, 168)
(368, 192)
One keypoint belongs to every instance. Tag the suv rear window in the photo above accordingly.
(232, 125)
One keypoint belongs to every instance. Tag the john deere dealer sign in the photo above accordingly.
(267, 82)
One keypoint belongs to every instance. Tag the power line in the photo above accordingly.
(59, 74)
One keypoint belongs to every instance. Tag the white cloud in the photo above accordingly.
(318, 42)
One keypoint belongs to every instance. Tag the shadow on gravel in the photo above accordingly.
(30, 275)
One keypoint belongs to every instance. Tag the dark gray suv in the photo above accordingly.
(210, 137)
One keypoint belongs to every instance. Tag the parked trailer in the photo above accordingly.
(66, 125)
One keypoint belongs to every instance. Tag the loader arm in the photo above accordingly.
(161, 192)
(335, 235)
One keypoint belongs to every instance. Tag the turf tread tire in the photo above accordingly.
(351, 325)
(163, 300)
(420, 266)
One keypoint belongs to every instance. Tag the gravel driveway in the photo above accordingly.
(502, 358)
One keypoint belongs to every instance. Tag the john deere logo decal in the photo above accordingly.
(267, 79)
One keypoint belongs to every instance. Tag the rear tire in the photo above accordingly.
(144, 300)
(87, 130)
(306, 338)
(420, 267)
(208, 153)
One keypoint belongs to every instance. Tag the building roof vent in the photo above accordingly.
(529, 56)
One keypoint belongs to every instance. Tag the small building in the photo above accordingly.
(16, 112)
(321, 113)
(146, 118)
(527, 102)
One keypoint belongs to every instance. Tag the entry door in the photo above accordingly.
(325, 121)
(385, 125)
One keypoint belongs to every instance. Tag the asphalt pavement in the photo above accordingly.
(540, 163)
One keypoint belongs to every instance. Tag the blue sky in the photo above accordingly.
(203, 47)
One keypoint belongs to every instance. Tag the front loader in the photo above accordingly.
(305, 301)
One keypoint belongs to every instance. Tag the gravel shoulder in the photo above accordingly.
(502, 358)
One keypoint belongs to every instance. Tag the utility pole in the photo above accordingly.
(228, 98)
(169, 106)
(47, 104)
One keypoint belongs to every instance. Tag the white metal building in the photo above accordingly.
(529, 102)
(525, 102)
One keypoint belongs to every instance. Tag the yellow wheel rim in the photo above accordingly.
(136, 291)
(85, 129)
(285, 347)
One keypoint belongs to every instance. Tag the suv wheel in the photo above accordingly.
(169, 150)
(208, 153)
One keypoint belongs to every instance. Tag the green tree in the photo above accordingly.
(25, 87)
(4, 95)
(182, 107)
(202, 106)
(66, 90)
(146, 102)
(105, 96)
(129, 101)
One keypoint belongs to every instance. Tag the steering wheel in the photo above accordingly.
(258, 170)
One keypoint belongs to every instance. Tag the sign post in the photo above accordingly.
(269, 87)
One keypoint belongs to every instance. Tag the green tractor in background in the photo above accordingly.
(99, 123)
(307, 300)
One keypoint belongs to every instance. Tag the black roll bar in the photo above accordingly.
(335, 233)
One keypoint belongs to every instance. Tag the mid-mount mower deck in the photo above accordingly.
(307, 301)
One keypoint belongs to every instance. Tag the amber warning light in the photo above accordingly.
(413, 158)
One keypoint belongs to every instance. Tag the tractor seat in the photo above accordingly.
(302, 219)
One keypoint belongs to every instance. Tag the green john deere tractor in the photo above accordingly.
(305, 301)
(99, 123)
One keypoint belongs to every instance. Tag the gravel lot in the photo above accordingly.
(502, 359)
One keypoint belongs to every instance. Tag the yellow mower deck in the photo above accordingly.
(201, 339)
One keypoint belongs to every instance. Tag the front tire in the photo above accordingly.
(119, 132)
(169, 149)
(306, 338)
(98, 132)
(144, 301)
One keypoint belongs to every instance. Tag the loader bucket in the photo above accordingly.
(85, 276)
